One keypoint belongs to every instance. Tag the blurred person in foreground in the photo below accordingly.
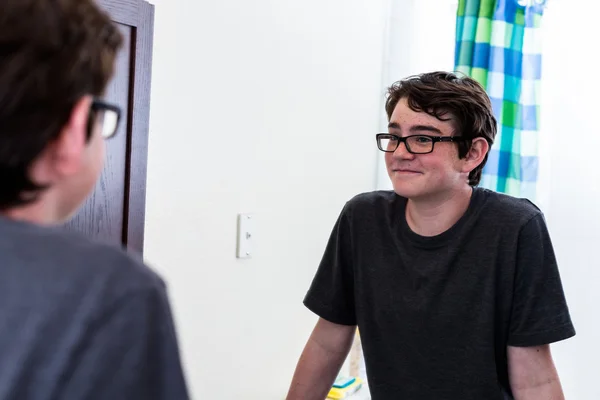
(78, 319)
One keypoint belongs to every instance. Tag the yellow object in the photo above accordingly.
(336, 393)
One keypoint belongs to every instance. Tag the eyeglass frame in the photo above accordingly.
(101, 105)
(400, 139)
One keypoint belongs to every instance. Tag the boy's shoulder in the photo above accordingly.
(69, 259)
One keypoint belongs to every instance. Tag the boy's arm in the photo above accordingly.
(321, 360)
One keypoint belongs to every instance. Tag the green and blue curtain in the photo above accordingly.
(498, 43)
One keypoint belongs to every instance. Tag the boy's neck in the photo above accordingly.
(432, 217)
(40, 212)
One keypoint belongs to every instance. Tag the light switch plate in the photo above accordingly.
(245, 235)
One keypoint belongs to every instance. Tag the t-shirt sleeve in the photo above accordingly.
(540, 314)
(331, 294)
(130, 352)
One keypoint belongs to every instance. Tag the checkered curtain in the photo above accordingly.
(498, 44)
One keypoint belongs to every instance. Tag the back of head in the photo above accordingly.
(449, 97)
(52, 52)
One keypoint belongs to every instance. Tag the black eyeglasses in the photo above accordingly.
(107, 115)
(415, 144)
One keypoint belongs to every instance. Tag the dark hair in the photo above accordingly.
(52, 53)
(448, 97)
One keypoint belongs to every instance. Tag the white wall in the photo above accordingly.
(571, 179)
(264, 107)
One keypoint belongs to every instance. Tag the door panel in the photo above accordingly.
(101, 217)
(114, 212)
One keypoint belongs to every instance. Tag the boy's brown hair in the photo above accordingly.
(449, 97)
(52, 52)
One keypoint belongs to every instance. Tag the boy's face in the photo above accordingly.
(423, 176)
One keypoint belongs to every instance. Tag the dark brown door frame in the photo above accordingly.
(139, 15)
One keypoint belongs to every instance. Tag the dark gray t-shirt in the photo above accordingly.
(436, 314)
(81, 320)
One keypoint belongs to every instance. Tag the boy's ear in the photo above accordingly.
(68, 148)
(476, 154)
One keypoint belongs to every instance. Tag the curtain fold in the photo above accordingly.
(498, 43)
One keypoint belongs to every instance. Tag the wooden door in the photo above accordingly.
(115, 212)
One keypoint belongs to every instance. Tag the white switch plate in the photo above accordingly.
(245, 236)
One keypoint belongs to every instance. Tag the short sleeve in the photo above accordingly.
(540, 314)
(331, 294)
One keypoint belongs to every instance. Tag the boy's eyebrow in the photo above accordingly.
(428, 128)
(417, 128)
